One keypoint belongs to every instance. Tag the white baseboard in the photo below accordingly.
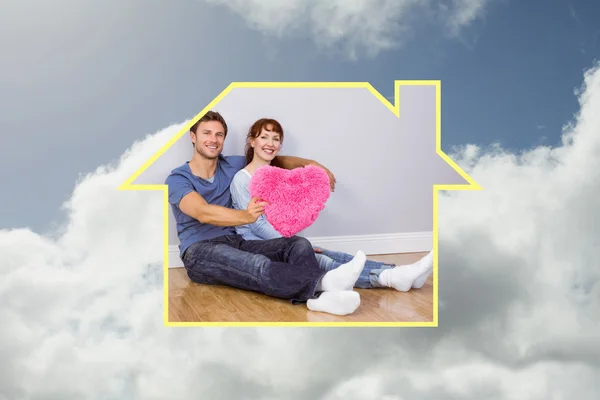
(387, 243)
(174, 259)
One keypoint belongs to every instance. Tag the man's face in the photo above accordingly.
(208, 139)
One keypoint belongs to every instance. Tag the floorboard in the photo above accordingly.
(191, 302)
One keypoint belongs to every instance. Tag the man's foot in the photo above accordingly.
(405, 277)
(337, 303)
(345, 276)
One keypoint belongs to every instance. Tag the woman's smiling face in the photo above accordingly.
(267, 144)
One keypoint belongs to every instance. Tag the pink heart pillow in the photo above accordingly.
(296, 197)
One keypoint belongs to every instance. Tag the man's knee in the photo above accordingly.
(198, 277)
(259, 260)
(300, 243)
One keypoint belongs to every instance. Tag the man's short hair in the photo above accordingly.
(210, 116)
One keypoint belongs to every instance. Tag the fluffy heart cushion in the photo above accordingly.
(296, 197)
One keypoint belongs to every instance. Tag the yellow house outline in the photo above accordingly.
(395, 109)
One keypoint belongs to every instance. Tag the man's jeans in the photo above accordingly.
(285, 267)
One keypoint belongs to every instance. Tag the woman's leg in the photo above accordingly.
(369, 277)
(327, 263)
(401, 278)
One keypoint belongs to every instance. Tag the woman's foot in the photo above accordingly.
(428, 262)
(405, 277)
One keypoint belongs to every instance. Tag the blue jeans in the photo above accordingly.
(369, 277)
(285, 268)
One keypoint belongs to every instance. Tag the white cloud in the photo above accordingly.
(463, 13)
(357, 26)
(82, 314)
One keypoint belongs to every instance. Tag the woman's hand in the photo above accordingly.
(317, 250)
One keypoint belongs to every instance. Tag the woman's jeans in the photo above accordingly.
(285, 267)
(369, 277)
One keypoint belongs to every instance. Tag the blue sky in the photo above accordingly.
(80, 87)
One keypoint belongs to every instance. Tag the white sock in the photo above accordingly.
(337, 303)
(403, 277)
(420, 281)
(345, 276)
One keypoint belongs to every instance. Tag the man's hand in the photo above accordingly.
(317, 250)
(255, 209)
(332, 180)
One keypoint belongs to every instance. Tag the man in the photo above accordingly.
(213, 253)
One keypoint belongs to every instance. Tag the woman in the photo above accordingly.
(263, 143)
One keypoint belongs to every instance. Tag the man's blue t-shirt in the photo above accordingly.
(181, 181)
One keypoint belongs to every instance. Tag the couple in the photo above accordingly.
(222, 240)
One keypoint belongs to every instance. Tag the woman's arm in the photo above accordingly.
(263, 229)
(240, 195)
(292, 162)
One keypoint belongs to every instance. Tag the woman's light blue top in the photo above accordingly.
(240, 197)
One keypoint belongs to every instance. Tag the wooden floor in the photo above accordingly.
(191, 302)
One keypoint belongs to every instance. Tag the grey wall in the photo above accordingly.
(385, 166)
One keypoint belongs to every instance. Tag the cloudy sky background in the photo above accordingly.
(89, 92)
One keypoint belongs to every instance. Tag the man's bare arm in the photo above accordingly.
(292, 162)
(196, 207)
